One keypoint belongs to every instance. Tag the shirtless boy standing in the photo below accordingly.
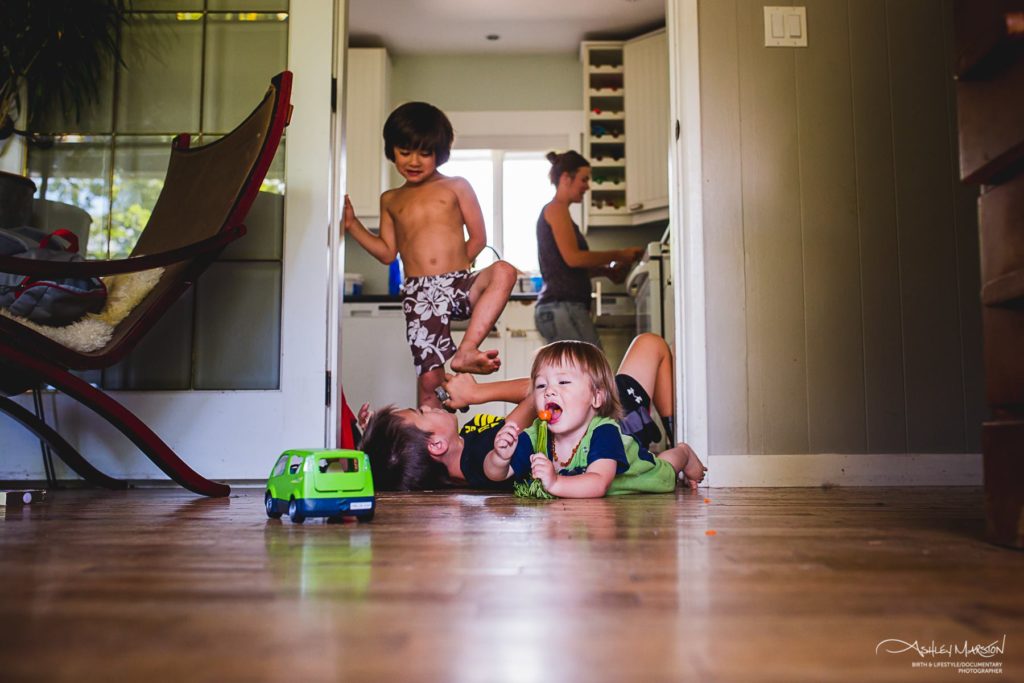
(423, 222)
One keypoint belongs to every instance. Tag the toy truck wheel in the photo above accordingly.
(268, 502)
(293, 512)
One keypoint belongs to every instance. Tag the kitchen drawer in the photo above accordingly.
(1001, 213)
(991, 125)
(1003, 331)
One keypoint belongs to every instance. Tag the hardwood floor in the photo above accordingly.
(796, 585)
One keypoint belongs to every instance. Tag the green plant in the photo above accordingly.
(531, 488)
(54, 55)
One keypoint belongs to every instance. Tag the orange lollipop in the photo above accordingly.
(542, 431)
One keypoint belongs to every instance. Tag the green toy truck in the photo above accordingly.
(320, 482)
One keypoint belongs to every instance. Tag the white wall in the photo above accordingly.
(841, 250)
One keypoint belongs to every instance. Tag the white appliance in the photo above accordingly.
(645, 284)
(376, 364)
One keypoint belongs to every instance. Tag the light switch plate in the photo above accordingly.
(785, 27)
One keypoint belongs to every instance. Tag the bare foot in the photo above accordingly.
(693, 469)
(476, 361)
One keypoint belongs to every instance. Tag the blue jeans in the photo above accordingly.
(562, 320)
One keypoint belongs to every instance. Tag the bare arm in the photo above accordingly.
(473, 216)
(466, 391)
(384, 247)
(616, 272)
(593, 483)
(498, 463)
(574, 257)
(524, 413)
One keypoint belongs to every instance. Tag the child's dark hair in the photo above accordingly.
(592, 362)
(399, 459)
(566, 162)
(421, 126)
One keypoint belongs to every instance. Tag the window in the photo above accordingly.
(193, 66)
(512, 188)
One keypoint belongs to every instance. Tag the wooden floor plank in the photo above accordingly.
(796, 585)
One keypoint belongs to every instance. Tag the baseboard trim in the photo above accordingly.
(845, 469)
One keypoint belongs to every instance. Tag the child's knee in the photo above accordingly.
(651, 343)
(505, 274)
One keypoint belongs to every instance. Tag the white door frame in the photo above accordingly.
(686, 221)
(337, 172)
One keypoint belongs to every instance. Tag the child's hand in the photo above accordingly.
(505, 441)
(461, 389)
(349, 214)
(542, 468)
(363, 416)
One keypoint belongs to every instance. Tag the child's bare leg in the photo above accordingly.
(425, 385)
(648, 360)
(487, 297)
(683, 459)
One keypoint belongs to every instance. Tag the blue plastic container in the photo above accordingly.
(395, 277)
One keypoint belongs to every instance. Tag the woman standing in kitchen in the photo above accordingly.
(566, 262)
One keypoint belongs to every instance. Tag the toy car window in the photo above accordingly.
(296, 464)
(339, 465)
(282, 462)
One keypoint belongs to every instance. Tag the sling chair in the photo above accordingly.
(206, 195)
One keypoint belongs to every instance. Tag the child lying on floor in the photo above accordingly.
(584, 453)
(414, 449)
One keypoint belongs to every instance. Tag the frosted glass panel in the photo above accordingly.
(237, 325)
(140, 164)
(163, 358)
(264, 227)
(160, 89)
(97, 117)
(241, 57)
(77, 172)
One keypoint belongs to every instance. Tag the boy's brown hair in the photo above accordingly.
(418, 125)
(399, 459)
(591, 361)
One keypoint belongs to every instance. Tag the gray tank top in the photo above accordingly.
(561, 283)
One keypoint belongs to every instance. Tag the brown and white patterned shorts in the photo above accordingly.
(430, 303)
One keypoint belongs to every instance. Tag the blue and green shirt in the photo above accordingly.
(637, 470)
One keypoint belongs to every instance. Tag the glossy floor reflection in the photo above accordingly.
(796, 584)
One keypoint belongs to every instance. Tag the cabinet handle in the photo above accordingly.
(636, 207)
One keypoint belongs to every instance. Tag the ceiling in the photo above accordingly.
(523, 26)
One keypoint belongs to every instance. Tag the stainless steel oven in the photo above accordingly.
(645, 284)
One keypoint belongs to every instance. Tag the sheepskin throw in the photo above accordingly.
(93, 331)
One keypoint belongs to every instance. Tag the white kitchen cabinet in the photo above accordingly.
(367, 105)
(376, 364)
(647, 122)
(626, 94)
